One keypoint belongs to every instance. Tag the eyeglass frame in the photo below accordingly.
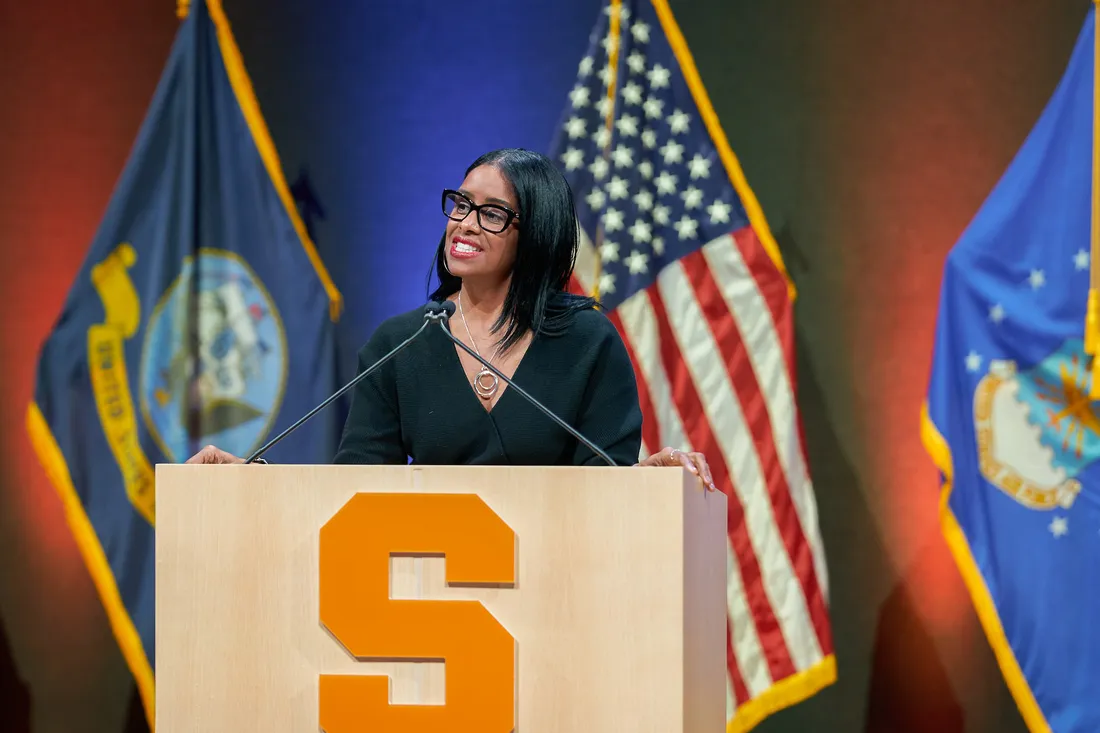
(476, 208)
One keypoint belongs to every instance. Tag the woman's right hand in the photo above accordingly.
(211, 454)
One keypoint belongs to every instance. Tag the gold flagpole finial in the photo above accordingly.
(182, 8)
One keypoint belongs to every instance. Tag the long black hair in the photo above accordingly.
(546, 252)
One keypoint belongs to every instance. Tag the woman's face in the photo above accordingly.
(472, 249)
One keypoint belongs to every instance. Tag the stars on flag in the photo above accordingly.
(622, 157)
(627, 125)
(650, 186)
(602, 139)
(672, 152)
(636, 262)
(1059, 526)
(596, 198)
(678, 122)
(973, 361)
(699, 167)
(693, 198)
(579, 96)
(666, 183)
(640, 231)
(659, 76)
(606, 282)
(686, 227)
(632, 94)
(719, 212)
(617, 188)
(613, 220)
(653, 109)
(575, 128)
(607, 75)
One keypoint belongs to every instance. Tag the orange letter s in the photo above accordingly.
(356, 546)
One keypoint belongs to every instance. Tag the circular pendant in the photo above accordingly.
(485, 389)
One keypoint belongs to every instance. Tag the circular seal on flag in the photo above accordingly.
(213, 366)
(1036, 428)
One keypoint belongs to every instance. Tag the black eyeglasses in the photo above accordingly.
(492, 217)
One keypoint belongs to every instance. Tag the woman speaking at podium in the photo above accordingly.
(504, 260)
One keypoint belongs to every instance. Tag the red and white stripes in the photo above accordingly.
(712, 343)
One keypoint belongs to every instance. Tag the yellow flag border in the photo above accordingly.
(1092, 305)
(729, 159)
(126, 634)
(940, 453)
(45, 444)
(783, 694)
(807, 683)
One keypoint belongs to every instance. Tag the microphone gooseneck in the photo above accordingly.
(446, 310)
(432, 312)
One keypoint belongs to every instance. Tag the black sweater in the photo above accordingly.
(421, 406)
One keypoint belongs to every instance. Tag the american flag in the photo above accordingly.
(677, 248)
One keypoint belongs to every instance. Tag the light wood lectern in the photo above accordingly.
(287, 600)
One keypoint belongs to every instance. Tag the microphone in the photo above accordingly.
(446, 310)
(431, 313)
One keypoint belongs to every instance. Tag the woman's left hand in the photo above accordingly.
(694, 462)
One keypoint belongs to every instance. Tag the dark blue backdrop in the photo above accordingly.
(384, 105)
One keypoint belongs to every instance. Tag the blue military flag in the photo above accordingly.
(202, 314)
(1010, 418)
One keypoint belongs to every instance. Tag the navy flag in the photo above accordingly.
(1011, 419)
(202, 314)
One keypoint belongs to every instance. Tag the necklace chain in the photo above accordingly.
(485, 389)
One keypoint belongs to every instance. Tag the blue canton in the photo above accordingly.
(651, 189)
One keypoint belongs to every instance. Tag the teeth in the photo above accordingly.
(463, 247)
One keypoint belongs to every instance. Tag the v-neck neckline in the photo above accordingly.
(456, 362)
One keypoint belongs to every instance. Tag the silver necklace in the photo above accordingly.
(484, 390)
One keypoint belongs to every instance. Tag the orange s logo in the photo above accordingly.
(356, 546)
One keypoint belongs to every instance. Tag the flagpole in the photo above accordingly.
(182, 7)
(1092, 312)
(614, 36)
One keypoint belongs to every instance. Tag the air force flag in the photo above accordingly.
(1010, 418)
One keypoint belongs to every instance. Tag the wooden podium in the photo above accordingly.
(551, 600)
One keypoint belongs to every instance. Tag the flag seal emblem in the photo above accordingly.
(1036, 429)
(214, 362)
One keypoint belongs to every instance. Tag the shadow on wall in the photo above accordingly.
(891, 678)
(135, 715)
(15, 698)
(896, 673)
(910, 691)
(859, 570)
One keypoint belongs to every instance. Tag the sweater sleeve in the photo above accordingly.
(611, 416)
(372, 432)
